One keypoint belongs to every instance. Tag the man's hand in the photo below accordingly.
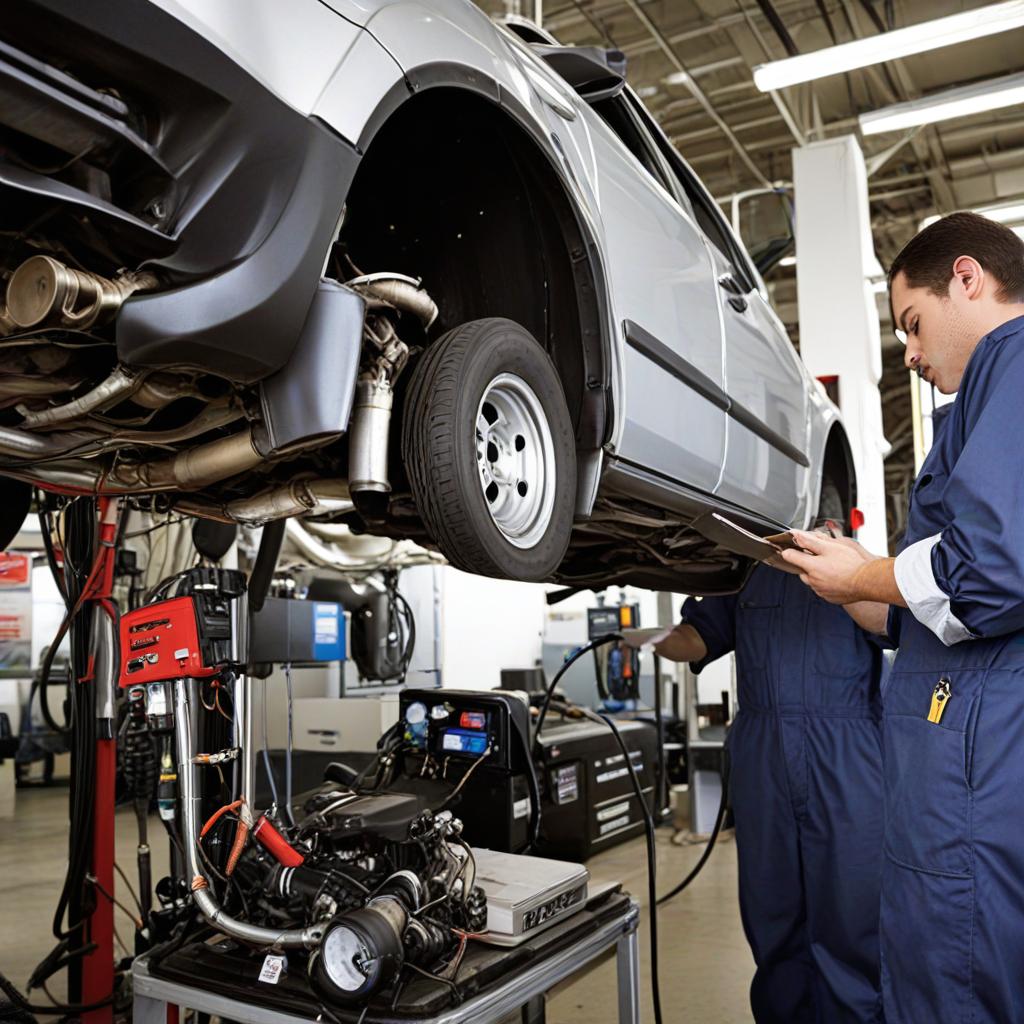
(843, 572)
(847, 542)
(684, 643)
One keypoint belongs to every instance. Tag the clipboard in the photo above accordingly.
(733, 537)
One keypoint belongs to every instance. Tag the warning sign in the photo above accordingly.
(15, 610)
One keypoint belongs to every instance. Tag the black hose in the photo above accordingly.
(266, 562)
(56, 1009)
(652, 860)
(571, 660)
(723, 806)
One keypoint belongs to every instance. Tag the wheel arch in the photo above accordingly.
(488, 220)
(837, 465)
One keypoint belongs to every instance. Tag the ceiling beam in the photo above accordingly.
(696, 90)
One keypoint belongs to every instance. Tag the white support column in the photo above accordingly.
(839, 332)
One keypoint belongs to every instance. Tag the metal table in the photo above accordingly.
(521, 990)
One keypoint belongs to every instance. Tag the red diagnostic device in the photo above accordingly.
(160, 642)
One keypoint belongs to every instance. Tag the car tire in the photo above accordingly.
(489, 451)
(831, 505)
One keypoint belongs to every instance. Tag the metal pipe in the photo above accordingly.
(44, 292)
(19, 443)
(300, 497)
(121, 384)
(368, 436)
(191, 469)
(308, 938)
(245, 737)
(23, 445)
(400, 291)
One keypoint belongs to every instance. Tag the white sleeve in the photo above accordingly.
(928, 603)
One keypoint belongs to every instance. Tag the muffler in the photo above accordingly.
(43, 292)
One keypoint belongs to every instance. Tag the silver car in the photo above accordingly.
(390, 264)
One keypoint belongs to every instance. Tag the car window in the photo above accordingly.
(616, 115)
(705, 209)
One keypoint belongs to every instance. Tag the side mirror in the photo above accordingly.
(594, 73)
(763, 219)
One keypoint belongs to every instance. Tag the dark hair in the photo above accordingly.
(927, 259)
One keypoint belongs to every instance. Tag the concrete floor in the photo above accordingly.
(705, 963)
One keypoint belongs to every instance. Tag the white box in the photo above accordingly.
(342, 723)
(525, 895)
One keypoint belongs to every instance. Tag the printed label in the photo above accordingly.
(567, 784)
(611, 826)
(273, 968)
(610, 812)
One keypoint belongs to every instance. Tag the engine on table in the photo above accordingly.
(389, 883)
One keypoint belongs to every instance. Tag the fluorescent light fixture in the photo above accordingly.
(1011, 214)
(901, 42)
(1007, 91)
(1008, 213)
(645, 92)
(787, 261)
(677, 78)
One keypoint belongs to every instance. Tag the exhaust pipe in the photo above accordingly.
(301, 497)
(43, 292)
(190, 470)
(119, 385)
(368, 437)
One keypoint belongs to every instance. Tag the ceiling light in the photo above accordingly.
(1008, 213)
(787, 261)
(645, 92)
(1011, 214)
(900, 42)
(677, 78)
(970, 99)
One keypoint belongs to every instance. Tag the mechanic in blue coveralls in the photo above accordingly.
(806, 787)
(952, 915)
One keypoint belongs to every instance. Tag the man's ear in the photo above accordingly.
(969, 275)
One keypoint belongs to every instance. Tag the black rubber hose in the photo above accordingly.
(652, 860)
(571, 660)
(57, 1009)
(266, 562)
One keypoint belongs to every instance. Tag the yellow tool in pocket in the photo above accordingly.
(940, 698)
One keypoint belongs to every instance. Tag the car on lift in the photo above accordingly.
(394, 265)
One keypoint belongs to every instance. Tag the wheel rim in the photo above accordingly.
(516, 460)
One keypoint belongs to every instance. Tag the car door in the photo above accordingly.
(662, 283)
(766, 438)
(766, 443)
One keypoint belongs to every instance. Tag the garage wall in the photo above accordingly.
(487, 625)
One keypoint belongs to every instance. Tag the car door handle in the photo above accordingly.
(729, 284)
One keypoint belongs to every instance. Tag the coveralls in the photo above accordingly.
(806, 787)
(952, 918)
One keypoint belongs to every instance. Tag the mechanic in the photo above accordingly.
(952, 916)
(806, 788)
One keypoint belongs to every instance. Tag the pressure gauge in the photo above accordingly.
(361, 951)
